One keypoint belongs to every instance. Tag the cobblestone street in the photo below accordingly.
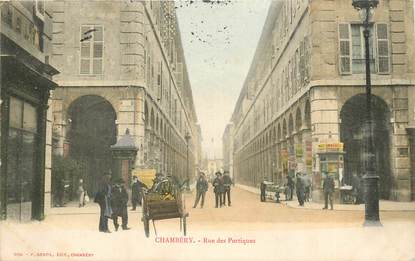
(279, 231)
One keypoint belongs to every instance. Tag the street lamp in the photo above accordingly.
(371, 179)
(187, 138)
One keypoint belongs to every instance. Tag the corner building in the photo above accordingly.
(304, 95)
(25, 116)
(123, 67)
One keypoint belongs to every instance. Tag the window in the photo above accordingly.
(344, 39)
(358, 50)
(352, 49)
(92, 49)
(382, 48)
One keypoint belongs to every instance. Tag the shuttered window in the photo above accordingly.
(382, 48)
(92, 49)
(344, 42)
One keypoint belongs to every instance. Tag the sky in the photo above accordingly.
(219, 42)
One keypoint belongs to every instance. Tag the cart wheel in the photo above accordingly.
(184, 226)
(146, 226)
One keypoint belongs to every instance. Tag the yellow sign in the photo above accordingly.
(330, 147)
(145, 175)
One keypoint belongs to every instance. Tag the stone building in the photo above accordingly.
(304, 96)
(123, 67)
(227, 149)
(25, 121)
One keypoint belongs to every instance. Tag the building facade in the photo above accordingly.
(123, 68)
(25, 121)
(227, 149)
(304, 96)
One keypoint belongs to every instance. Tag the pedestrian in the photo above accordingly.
(328, 189)
(201, 188)
(218, 189)
(263, 188)
(290, 186)
(227, 182)
(356, 184)
(81, 193)
(103, 197)
(307, 187)
(137, 192)
(299, 187)
(119, 202)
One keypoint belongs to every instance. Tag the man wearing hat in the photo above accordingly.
(103, 198)
(136, 192)
(201, 188)
(218, 189)
(119, 202)
(227, 182)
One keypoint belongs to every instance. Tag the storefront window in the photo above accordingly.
(21, 159)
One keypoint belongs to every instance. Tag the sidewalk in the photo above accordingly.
(384, 205)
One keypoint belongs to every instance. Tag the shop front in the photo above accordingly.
(25, 89)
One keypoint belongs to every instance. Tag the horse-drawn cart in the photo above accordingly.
(164, 201)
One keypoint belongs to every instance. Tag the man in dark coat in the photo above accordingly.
(218, 189)
(263, 188)
(201, 188)
(227, 182)
(290, 186)
(136, 192)
(356, 183)
(328, 189)
(103, 197)
(119, 202)
(300, 188)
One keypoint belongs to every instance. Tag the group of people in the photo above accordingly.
(302, 186)
(112, 198)
(221, 187)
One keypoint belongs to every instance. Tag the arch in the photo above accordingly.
(146, 119)
(290, 125)
(307, 114)
(91, 132)
(284, 129)
(152, 119)
(298, 121)
(273, 134)
(352, 125)
(157, 124)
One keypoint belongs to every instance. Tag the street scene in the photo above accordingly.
(208, 130)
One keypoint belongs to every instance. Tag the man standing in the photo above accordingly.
(227, 182)
(290, 185)
(103, 197)
(136, 192)
(81, 193)
(218, 189)
(300, 189)
(119, 202)
(263, 188)
(201, 188)
(328, 189)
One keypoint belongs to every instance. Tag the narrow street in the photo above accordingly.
(279, 231)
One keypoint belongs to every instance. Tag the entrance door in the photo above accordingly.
(21, 159)
(351, 134)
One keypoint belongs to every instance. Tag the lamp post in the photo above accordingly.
(371, 179)
(187, 138)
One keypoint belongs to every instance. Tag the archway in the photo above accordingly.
(352, 118)
(92, 131)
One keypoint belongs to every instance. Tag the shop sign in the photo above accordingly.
(330, 147)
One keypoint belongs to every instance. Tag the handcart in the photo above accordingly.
(165, 201)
